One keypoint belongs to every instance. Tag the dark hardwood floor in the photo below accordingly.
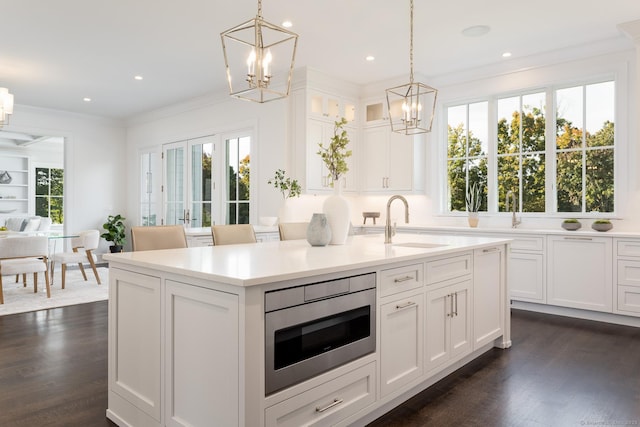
(559, 372)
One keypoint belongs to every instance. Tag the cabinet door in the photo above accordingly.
(202, 354)
(526, 277)
(401, 342)
(488, 295)
(461, 338)
(579, 272)
(134, 341)
(399, 161)
(438, 310)
(374, 163)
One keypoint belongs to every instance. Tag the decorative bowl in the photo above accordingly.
(268, 221)
(571, 226)
(602, 227)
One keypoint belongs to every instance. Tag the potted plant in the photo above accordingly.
(115, 232)
(337, 207)
(335, 154)
(602, 225)
(571, 224)
(474, 201)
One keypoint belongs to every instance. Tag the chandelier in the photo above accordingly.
(411, 106)
(6, 106)
(259, 59)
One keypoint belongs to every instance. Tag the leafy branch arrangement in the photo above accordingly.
(335, 155)
(474, 197)
(287, 186)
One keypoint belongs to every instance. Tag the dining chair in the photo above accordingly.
(293, 230)
(82, 252)
(232, 234)
(147, 238)
(24, 255)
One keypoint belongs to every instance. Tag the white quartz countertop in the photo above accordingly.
(268, 262)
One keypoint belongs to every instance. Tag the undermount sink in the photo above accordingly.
(419, 245)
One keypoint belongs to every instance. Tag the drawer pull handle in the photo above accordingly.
(330, 405)
(405, 305)
(578, 238)
(402, 279)
(486, 251)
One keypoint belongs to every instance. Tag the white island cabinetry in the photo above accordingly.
(187, 340)
(627, 276)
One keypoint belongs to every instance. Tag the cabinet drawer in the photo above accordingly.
(629, 248)
(628, 272)
(448, 268)
(328, 403)
(401, 279)
(527, 243)
(629, 300)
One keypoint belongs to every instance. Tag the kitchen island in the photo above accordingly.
(190, 340)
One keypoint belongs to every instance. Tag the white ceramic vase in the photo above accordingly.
(338, 212)
(285, 213)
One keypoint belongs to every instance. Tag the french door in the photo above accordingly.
(188, 188)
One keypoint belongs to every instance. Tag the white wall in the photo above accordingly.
(95, 181)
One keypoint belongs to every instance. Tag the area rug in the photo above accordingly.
(18, 299)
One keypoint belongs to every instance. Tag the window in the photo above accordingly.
(49, 194)
(574, 172)
(238, 179)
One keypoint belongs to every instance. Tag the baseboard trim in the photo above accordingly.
(597, 316)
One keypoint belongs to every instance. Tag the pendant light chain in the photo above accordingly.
(260, 8)
(411, 42)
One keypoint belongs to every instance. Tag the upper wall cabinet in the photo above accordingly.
(313, 114)
(376, 112)
(324, 106)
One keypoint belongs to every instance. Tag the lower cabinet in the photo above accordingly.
(171, 336)
(448, 322)
(401, 342)
(580, 273)
(325, 404)
(627, 276)
(526, 277)
(488, 280)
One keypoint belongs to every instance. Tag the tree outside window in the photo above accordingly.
(238, 180)
(582, 152)
(467, 153)
(50, 194)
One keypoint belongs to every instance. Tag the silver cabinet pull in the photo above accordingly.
(486, 251)
(450, 313)
(578, 238)
(455, 313)
(330, 405)
(405, 305)
(402, 279)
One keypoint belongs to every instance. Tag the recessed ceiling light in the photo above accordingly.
(287, 24)
(370, 58)
(86, 99)
(506, 54)
(476, 31)
(138, 77)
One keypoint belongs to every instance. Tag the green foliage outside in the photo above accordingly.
(238, 192)
(50, 194)
(467, 164)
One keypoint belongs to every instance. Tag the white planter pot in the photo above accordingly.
(338, 212)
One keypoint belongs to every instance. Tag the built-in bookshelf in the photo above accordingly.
(14, 184)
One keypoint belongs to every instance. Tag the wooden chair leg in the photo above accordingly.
(95, 272)
(64, 273)
(1, 294)
(17, 278)
(82, 270)
(35, 283)
(48, 284)
(24, 280)
(53, 267)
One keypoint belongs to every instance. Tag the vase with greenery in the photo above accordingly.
(115, 232)
(289, 188)
(336, 207)
(473, 200)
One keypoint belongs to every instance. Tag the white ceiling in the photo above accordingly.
(55, 53)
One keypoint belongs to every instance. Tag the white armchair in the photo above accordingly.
(83, 247)
(24, 255)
